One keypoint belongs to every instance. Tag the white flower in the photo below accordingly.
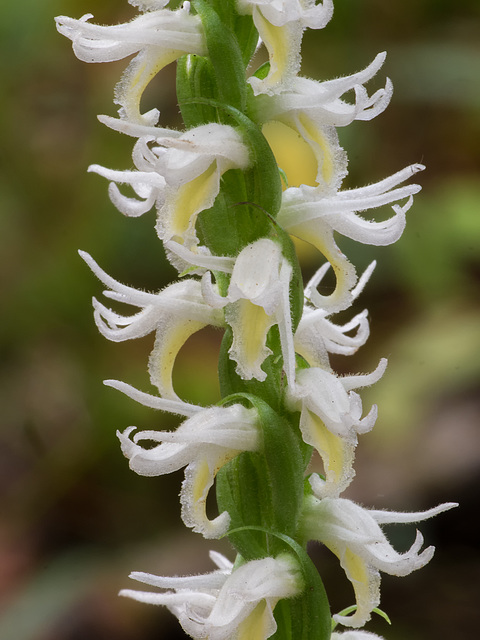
(203, 444)
(316, 336)
(257, 299)
(314, 216)
(180, 173)
(321, 101)
(353, 534)
(330, 420)
(281, 24)
(174, 314)
(307, 151)
(158, 37)
(229, 603)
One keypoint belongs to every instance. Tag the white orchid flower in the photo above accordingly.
(316, 336)
(158, 38)
(180, 173)
(258, 298)
(174, 314)
(280, 24)
(321, 101)
(227, 604)
(354, 535)
(330, 419)
(202, 444)
(314, 216)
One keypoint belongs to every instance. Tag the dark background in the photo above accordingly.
(74, 519)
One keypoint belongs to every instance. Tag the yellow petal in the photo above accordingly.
(188, 201)
(281, 45)
(171, 336)
(250, 324)
(323, 147)
(292, 153)
(336, 453)
(365, 582)
(258, 625)
(143, 68)
(199, 477)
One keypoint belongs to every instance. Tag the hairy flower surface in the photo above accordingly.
(330, 419)
(256, 164)
(227, 603)
(355, 537)
(317, 336)
(181, 174)
(158, 37)
(202, 444)
(281, 25)
(257, 299)
(322, 102)
(313, 216)
(174, 314)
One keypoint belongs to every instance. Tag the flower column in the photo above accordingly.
(229, 199)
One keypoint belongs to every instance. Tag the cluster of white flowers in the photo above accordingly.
(180, 174)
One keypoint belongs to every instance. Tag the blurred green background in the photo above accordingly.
(74, 520)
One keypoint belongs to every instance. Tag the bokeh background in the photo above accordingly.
(74, 520)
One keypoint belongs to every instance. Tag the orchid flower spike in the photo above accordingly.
(180, 173)
(158, 38)
(203, 444)
(257, 299)
(228, 603)
(330, 420)
(353, 534)
(174, 314)
(280, 25)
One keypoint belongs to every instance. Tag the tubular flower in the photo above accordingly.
(353, 534)
(281, 26)
(203, 444)
(330, 420)
(181, 174)
(158, 38)
(229, 603)
(314, 217)
(174, 314)
(257, 299)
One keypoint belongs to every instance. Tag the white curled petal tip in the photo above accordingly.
(357, 381)
(362, 281)
(130, 207)
(204, 260)
(210, 293)
(392, 517)
(199, 478)
(377, 103)
(220, 561)
(367, 423)
(177, 407)
(315, 280)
